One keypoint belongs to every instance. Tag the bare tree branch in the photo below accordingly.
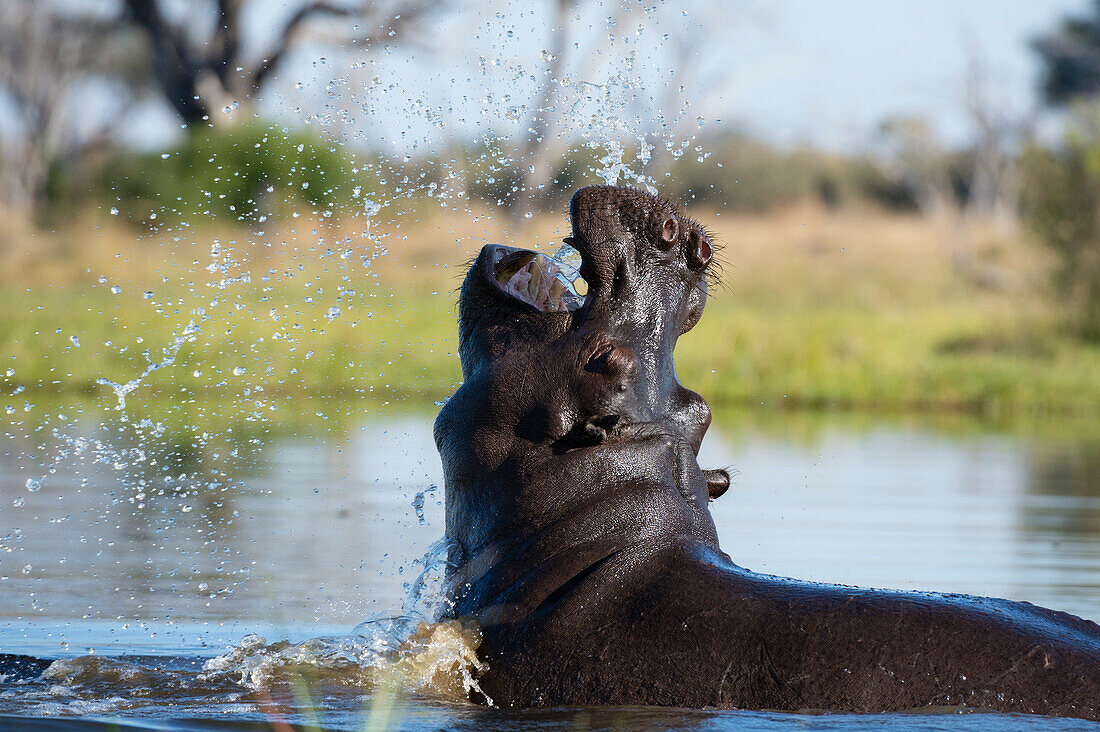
(400, 20)
(174, 67)
(44, 55)
(183, 69)
(400, 17)
(286, 38)
(225, 47)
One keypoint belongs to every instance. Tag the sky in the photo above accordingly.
(822, 72)
(827, 71)
(819, 72)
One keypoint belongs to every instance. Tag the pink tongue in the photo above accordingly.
(519, 286)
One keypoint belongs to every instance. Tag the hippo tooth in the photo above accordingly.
(537, 280)
(557, 289)
(507, 268)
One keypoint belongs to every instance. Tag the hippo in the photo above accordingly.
(581, 540)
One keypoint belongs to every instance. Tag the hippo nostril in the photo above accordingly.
(718, 482)
(699, 249)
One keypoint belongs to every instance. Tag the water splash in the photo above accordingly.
(438, 660)
(602, 101)
(411, 650)
(419, 500)
(170, 353)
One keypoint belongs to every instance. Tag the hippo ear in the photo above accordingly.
(718, 482)
(669, 231)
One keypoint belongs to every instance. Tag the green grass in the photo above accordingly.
(890, 360)
(860, 314)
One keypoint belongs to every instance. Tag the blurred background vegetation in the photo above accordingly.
(911, 274)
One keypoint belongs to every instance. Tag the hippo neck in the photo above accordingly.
(652, 335)
(515, 573)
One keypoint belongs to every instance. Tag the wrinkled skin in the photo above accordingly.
(582, 542)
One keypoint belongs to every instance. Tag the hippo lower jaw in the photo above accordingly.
(536, 279)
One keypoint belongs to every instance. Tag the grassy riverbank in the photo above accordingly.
(853, 311)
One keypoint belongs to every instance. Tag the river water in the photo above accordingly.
(134, 590)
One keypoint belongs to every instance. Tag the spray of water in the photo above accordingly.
(411, 650)
(477, 132)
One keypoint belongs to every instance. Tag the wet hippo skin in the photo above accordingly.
(582, 542)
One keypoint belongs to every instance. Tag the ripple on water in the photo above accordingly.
(436, 662)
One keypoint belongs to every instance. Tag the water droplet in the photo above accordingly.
(114, 210)
(115, 290)
(418, 506)
(75, 340)
(238, 370)
(33, 484)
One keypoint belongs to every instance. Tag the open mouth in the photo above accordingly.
(548, 284)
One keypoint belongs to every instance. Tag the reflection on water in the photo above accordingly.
(317, 533)
(319, 530)
(913, 509)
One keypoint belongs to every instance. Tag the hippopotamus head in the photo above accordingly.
(571, 437)
(593, 363)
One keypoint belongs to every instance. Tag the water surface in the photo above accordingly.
(156, 574)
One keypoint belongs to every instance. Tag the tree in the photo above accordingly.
(993, 176)
(1062, 202)
(586, 71)
(53, 57)
(1063, 191)
(537, 150)
(1071, 59)
(47, 58)
(911, 153)
(199, 72)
